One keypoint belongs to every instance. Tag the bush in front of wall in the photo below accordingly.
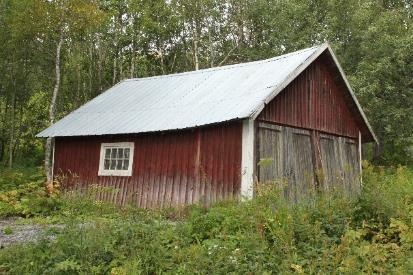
(268, 235)
(28, 197)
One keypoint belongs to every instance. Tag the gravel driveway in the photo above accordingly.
(13, 233)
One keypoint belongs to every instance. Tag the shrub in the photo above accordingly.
(28, 197)
(14, 179)
(327, 234)
(387, 193)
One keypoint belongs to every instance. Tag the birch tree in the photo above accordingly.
(66, 18)
(58, 54)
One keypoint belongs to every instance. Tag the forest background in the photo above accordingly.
(57, 55)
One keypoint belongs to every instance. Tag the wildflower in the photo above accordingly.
(297, 268)
(233, 259)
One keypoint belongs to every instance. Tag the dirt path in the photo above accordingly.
(13, 233)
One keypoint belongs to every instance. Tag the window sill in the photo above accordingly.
(115, 173)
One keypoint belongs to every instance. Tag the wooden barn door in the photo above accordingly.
(340, 163)
(285, 157)
(331, 164)
(350, 164)
(270, 153)
(303, 180)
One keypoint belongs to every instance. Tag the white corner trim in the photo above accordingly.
(54, 142)
(360, 158)
(247, 159)
(103, 146)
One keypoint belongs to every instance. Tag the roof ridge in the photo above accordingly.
(225, 67)
(237, 91)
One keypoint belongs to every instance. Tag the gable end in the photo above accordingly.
(317, 99)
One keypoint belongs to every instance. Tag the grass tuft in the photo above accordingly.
(328, 234)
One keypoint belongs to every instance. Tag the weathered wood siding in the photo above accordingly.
(310, 131)
(169, 169)
(314, 100)
(340, 163)
(285, 155)
(288, 155)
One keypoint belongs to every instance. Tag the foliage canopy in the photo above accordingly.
(107, 41)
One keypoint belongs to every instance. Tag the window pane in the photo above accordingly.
(106, 165)
(120, 153)
(112, 164)
(107, 153)
(114, 152)
(125, 164)
(126, 153)
(119, 165)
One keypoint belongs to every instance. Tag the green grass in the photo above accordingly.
(20, 177)
(329, 234)
(8, 230)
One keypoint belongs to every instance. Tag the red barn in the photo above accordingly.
(208, 135)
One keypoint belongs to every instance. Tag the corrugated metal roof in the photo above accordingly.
(185, 100)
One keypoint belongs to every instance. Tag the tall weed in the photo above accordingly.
(329, 233)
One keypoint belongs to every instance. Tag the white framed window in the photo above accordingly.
(116, 159)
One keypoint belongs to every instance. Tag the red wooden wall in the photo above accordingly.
(317, 100)
(169, 169)
(314, 100)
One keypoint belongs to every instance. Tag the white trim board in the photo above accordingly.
(247, 159)
(54, 144)
(360, 158)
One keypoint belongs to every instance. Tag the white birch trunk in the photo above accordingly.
(195, 42)
(132, 62)
(13, 112)
(114, 71)
(49, 142)
(132, 65)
